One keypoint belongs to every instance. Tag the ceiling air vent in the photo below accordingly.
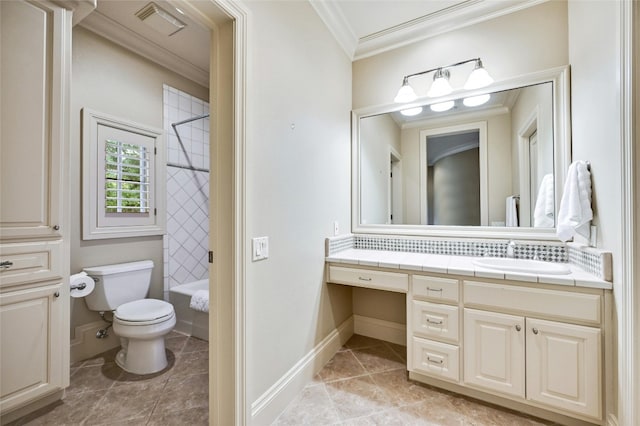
(160, 20)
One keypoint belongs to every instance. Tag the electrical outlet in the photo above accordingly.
(336, 228)
(260, 248)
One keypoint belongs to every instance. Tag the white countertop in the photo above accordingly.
(459, 265)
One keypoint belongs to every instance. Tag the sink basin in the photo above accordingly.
(523, 265)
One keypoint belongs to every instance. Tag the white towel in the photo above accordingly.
(511, 218)
(543, 213)
(575, 214)
(200, 301)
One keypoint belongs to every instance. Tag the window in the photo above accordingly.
(123, 178)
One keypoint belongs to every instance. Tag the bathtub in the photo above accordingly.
(189, 321)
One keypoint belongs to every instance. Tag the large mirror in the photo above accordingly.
(490, 168)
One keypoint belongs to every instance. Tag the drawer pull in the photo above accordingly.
(518, 328)
(364, 279)
(6, 264)
(434, 361)
(430, 321)
(535, 330)
(434, 289)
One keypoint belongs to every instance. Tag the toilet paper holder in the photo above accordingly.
(81, 286)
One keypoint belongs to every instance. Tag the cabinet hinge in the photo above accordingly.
(210, 257)
(155, 150)
(155, 212)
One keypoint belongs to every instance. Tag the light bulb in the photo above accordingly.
(478, 78)
(442, 106)
(440, 85)
(474, 101)
(406, 93)
(410, 112)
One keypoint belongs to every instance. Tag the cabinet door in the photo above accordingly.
(564, 366)
(494, 351)
(33, 101)
(31, 361)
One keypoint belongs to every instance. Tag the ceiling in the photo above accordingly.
(362, 27)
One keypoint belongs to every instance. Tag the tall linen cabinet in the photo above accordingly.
(35, 53)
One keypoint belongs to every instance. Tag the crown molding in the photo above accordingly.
(121, 35)
(461, 15)
(334, 19)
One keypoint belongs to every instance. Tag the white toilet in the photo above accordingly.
(140, 323)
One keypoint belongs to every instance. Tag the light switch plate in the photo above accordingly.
(260, 248)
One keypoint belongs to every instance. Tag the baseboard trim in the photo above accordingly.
(16, 413)
(86, 345)
(269, 405)
(380, 329)
(612, 420)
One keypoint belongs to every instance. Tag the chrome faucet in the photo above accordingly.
(511, 249)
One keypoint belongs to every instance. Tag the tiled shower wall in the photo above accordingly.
(187, 240)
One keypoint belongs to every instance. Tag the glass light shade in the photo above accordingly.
(410, 112)
(474, 101)
(405, 94)
(440, 85)
(442, 106)
(478, 78)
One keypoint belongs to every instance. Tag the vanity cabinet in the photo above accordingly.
(434, 327)
(34, 224)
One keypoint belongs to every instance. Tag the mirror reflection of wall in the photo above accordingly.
(445, 178)
(453, 179)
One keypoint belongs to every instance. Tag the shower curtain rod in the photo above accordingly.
(189, 120)
(175, 125)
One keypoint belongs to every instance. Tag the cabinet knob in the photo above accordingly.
(56, 227)
(56, 294)
(518, 328)
(6, 264)
(535, 330)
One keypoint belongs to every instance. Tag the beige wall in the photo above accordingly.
(530, 40)
(297, 184)
(594, 34)
(110, 79)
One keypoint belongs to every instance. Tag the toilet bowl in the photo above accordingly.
(140, 323)
(141, 326)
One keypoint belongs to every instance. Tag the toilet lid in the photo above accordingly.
(144, 310)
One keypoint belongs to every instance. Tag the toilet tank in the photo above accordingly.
(117, 284)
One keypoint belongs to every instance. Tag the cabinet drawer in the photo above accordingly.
(527, 301)
(433, 320)
(30, 262)
(380, 280)
(437, 289)
(435, 359)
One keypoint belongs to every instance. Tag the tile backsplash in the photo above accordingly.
(594, 261)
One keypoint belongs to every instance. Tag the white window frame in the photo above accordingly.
(97, 223)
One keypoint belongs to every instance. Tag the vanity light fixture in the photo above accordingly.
(478, 78)
(410, 112)
(442, 106)
(474, 101)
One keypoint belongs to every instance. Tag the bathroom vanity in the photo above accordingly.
(523, 340)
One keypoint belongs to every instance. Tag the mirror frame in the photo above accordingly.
(559, 76)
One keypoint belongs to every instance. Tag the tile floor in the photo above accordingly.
(366, 383)
(100, 393)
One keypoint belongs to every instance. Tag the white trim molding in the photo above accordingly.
(629, 331)
(338, 26)
(375, 328)
(270, 404)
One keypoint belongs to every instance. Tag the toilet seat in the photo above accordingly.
(144, 312)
